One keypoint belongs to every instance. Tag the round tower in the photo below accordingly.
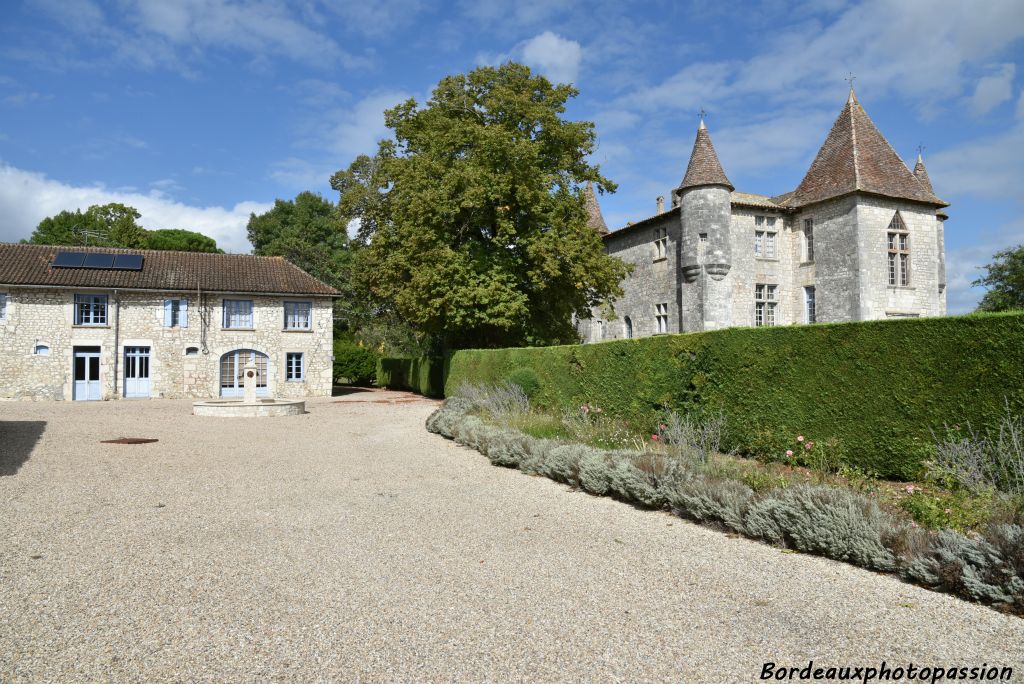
(704, 198)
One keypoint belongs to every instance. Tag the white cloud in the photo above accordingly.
(881, 42)
(556, 57)
(964, 265)
(771, 143)
(151, 33)
(300, 174)
(27, 197)
(993, 90)
(356, 130)
(990, 167)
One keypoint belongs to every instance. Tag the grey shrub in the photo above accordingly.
(831, 522)
(981, 459)
(711, 500)
(984, 569)
(595, 472)
(631, 483)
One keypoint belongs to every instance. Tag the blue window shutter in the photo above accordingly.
(167, 313)
(183, 313)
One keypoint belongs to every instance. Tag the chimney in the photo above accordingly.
(661, 205)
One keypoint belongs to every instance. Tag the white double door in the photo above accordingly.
(136, 372)
(86, 369)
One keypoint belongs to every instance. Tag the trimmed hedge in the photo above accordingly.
(874, 389)
(355, 364)
(423, 375)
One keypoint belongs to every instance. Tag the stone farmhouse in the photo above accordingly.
(88, 323)
(860, 238)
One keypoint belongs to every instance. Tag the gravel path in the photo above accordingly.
(349, 544)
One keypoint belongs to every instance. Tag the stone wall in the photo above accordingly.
(849, 271)
(877, 298)
(184, 361)
(652, 281)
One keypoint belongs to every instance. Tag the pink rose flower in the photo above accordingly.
(799, 438)
(789, 452)
(809, 445)
(911, 489)
(654, 438)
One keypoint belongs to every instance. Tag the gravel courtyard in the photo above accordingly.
(349, 544)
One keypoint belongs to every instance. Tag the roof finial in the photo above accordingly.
(850, 78)
(702, 115)
(920, 153)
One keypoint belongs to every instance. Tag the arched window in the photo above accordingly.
(231, 365)
(628, 323)
(191, 351)
(899, 252)
(41, 350)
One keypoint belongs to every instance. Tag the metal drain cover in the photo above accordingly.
(129, 440)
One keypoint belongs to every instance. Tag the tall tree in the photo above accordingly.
(1004, 279)
(474, 215)
(114, 225)
(180, 240)
(308, 232)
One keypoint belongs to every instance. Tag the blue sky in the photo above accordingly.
(198, 112)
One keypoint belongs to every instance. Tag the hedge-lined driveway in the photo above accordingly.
(349, 544)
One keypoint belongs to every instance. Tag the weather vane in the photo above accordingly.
(850, 78)
(920, 150)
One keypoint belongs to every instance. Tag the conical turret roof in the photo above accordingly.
(594, 218)
(704, 167)
(921, 174)
(856, 157)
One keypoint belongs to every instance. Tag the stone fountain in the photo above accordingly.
(249, 406)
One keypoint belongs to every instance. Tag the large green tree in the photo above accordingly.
(105, 225)
(114, 225)
(474, 216)
(1004, 279)
(309, 232)
(180, 240)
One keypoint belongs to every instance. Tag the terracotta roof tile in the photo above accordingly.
(594, 217)
(161, 270)
(921, 174)
(704, 167)
(748, 199)
(856, 157)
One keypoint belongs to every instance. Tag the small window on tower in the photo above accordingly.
(660, 243)
(808, 239)
(898, 242)
(661, 317)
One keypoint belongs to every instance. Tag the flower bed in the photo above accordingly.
(835, 522)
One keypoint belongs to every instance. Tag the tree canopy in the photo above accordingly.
(309, 232)
(1004, 279)
(114, 225)
(474, 218)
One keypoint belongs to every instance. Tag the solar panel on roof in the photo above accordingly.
(128, 262)
(94, 260)
(69, 260)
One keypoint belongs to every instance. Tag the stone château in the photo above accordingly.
(861, 238)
